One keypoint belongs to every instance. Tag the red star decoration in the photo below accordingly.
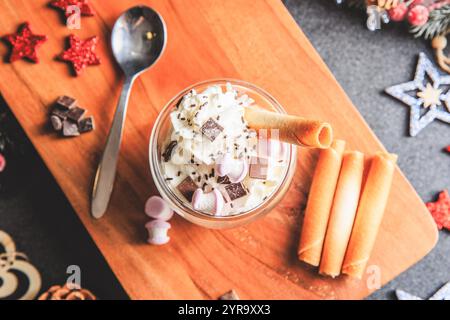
(81, 53)
(85, 7)
(448, 149)
(25, 43)
(440, 210)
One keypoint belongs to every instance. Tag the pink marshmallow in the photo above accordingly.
(225, 164)
(239, 172)
(157, 208)
(277, 149)
(211, 202)
(157, 232)
(235, 169)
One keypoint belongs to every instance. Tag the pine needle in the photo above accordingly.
(438, 23)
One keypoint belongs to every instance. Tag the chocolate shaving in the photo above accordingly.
(167, 155)
(179, 103)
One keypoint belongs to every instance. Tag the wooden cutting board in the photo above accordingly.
(257, 41)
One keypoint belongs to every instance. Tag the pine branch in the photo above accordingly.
(438, 23)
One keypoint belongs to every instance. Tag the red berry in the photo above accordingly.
(418, 15)
(2, 162)
(399, 12)
(415, 2)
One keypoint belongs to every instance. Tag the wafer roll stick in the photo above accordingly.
(342, 214)
(370, 214)
(292, 129)
(319, 203)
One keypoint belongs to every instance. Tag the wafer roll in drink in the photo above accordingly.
(342, 214)
(319, 203)
(292, 129)
(369, 214)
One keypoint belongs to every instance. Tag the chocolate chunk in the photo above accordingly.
(76, 113)
(187, 188)
(70, 129)
(230, 295)
(211, 129)
(86, 124)
(66, 102)
(236, 191)
(60, 112)
(56, 123)
(259, 168)
(223, 180)
(168, 152)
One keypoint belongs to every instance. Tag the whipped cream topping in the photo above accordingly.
(208, 127)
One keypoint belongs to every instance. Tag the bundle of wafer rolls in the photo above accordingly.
(291, 129)
(343, 214)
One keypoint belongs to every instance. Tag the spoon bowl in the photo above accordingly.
(138, 40)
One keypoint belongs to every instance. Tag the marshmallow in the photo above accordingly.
(157, 208)
(211, 202)
(225, 164)
(277, 149)
(235, 169)
(157, 232)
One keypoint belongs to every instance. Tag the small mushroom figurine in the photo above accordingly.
(210, 202)
(235, 169)
(157, 232)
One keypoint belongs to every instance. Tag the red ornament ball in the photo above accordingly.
(399, 12)
(2, 163)
(418, 15)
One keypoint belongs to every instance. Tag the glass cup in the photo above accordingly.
(162, 129)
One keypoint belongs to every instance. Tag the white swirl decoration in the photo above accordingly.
(12, 262)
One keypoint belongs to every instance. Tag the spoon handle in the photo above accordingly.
(106, 172)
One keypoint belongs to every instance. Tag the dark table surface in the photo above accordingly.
(35, 212)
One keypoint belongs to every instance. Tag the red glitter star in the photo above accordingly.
(440, 210)
(81, 53)
(25, 43)
(448, 149)
(85, 8)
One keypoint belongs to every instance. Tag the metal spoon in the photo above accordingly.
(138, 39)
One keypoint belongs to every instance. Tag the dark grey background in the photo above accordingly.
(35, 212)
